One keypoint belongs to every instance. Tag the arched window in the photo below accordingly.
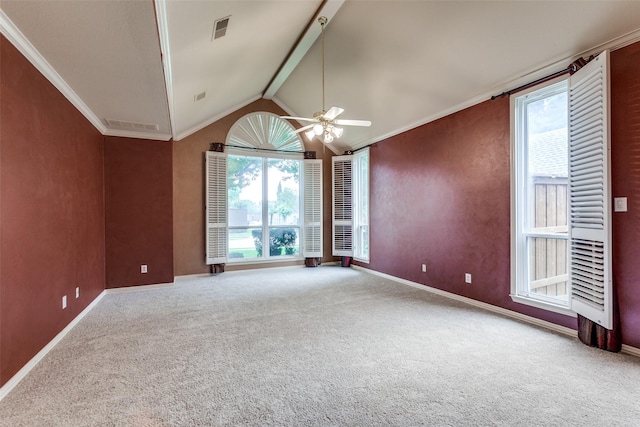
(263, 201)
(264, 197)
(264, 130)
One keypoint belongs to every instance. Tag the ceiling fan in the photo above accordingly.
(324, 123)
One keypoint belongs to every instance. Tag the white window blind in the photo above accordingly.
(312, 247)
(342, 209)
(589, 192)
(216, 208)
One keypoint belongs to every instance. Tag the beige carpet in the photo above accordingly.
(325, 346)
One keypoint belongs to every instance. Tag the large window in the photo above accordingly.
(361, 205)
(540, 147)
(561, 198)
(264, 207)
(263, 201)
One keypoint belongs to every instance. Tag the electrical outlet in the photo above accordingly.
(64, 302)
(143, 268)
(77, 292)
(467, 277)
(424, 268)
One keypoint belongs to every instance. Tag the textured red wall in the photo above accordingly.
(440, 196)
(51, 211)
(139, 211)
(625, 174)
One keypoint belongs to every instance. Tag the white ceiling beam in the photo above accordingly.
(328, 9)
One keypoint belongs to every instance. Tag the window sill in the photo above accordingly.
(543, 305)
(273, 260)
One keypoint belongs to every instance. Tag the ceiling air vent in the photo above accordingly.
(122, 124)
(220, 28)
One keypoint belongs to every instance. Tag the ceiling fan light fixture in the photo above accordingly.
(325, 120)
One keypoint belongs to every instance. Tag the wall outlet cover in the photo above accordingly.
(620, 204)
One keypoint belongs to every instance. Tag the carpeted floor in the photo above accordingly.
(325, 346)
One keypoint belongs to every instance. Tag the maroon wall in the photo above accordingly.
(51, 211)
(440, 196)
(625, 173)
(139, 211)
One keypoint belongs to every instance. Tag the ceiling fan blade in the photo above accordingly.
(333, 113)
(347, 122)
(304, 119)
(302, 129)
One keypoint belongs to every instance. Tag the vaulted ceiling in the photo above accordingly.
(138, 68)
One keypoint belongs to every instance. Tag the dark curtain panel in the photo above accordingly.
(595, 335)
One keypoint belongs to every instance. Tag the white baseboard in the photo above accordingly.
(247, 270)
(19, 376)
(499, 310)
(630, 350)
(189, 277)
(138, 288)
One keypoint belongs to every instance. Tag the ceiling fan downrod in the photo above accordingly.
(323, 21)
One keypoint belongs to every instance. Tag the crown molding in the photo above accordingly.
(214, 119)
(15, 36)
(137, 135)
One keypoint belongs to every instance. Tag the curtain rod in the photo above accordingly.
(570, 68)
(212, 148)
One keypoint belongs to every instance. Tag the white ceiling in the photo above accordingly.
(397, 63)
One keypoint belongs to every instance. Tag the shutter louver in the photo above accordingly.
(216, 208)
(312, 208)
(590, 229)
(342, 177)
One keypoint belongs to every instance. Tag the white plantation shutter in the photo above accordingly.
(589, 192)
(312, 245)
(342, 208)
(216, 207)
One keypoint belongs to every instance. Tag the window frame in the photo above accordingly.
(520, 206)
(360, 194)
(265, 226)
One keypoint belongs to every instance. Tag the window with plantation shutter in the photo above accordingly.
(342, 208)
(589, 192)
(216, 207)
(360, 199)
(561, 243)
(312, 189)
